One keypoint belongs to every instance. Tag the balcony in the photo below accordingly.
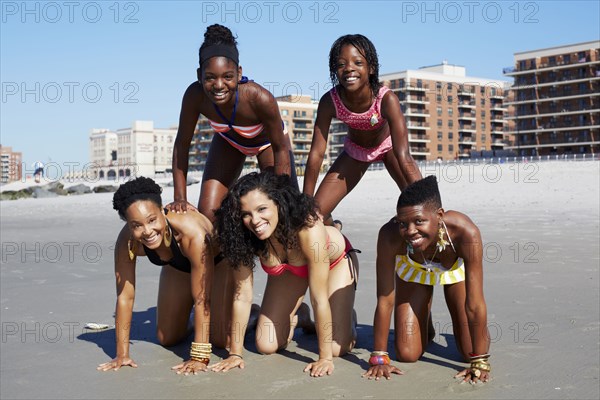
(467, 117)
(533, 85)
(466, 93)
(467, 129)
(418, 138)
(301, 138)
(416, 88)
(416, 100)
(467, 105)
(416, 113)
(419, 151)
(467, 141)
(417, 125)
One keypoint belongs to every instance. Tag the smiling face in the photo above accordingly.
(146, 223)
(219, 79)
(352, 68)
(419, 225)
(259, 214)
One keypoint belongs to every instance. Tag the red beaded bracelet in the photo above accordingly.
(379, 360)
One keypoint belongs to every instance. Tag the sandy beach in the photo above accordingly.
(540, 224)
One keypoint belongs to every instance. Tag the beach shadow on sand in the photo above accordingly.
(143, 328)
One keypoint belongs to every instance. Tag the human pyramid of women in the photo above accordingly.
(208, 253)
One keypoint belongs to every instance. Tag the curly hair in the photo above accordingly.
(424, 191)
(365, 48)
(141, 188)
(218, 34)
(295, 210)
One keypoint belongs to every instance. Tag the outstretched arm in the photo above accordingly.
(387, 248)
(318, 147)
(242, 303)
(470, 248)
(390, 110)
(188, 118)
(195, 244)
(267, 110)
(125, 280)
(313, 243)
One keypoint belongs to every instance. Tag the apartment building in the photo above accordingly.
(556, 100)
(140, 150)
(11, 168)
(450, 115)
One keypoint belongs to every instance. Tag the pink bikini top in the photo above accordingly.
(302, 270)
(370, 120)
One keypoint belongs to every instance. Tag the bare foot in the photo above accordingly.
(304, 321)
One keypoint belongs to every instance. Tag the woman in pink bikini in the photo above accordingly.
(244, 115)
(264, 216)
(376, 127)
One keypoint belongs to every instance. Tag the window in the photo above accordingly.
(552, 60)
(438, 98)
(440, 147)
(284, 113)
(439, 135)
(439, 111)
(450, 135)
(449, 86)
(483, 138)
(483, 102)
(449, 99)
(567, 58)
(450, 124)
(450, 148)
(450, 111)
(438, 85)
(482, 113)
(439, 123)
(483, 126)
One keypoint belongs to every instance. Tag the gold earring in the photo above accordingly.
(167, 236)
(132, 249)
(441, 243)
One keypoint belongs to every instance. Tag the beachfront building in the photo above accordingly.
(11, 165)
(556, 100)
(450, 115)
(298, 113)
(140, 150)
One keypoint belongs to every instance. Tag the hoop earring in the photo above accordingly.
(132, 249)
(441, 243)
(167, 237)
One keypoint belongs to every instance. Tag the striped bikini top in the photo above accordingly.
(247, 132)
(369, 120)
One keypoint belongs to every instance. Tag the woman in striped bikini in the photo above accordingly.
(264, 216)
(244, 116)
(423, 246)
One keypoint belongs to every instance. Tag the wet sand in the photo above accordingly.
(540, 226)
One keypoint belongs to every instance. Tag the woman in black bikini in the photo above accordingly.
(183, 246)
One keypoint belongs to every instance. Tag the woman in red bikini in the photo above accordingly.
(376, 127)
(244, 115)
(264, 216)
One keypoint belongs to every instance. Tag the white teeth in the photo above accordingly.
(351, 79)
(261, 228)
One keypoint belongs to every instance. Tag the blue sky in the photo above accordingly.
(68, 67)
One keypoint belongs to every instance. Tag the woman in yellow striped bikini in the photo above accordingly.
(424, 246)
